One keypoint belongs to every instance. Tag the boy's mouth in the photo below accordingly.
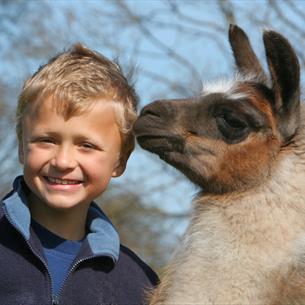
(53, 180)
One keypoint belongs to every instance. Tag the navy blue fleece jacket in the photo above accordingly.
(103, 273)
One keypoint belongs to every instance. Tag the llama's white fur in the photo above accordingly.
(229, 86)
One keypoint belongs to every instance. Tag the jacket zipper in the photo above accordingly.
(53, 299)
(75, 264)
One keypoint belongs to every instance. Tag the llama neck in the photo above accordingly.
(281, 195)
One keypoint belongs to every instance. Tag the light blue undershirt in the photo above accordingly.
(59, 253)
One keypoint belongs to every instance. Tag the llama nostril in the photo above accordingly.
(149, 111)
(157, 108)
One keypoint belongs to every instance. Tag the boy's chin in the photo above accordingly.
(59, 203)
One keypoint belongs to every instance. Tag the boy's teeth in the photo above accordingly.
(61, 181)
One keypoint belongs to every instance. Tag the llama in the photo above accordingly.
(243, 143)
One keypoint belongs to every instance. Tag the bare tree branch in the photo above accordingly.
(148, 34)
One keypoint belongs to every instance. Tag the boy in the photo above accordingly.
(74, 120)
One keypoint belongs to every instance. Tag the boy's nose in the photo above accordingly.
(63, 159)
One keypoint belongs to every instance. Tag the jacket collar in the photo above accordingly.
(102, 238)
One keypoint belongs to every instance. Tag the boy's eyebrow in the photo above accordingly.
(77, 136)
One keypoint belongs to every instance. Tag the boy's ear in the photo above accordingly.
(20, 153)
(121, 166)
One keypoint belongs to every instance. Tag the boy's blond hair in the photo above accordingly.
(74, 80)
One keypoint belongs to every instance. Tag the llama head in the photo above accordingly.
(229, 137)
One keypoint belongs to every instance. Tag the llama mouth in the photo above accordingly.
(53, 180)
(160, 144)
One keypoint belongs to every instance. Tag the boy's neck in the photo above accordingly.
(69, 224)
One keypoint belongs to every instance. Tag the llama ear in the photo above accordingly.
(285, 72)
(245, 58)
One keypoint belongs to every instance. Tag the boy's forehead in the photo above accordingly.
(51, 104)
(68, 109)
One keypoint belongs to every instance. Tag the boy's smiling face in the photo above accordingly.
(70, 162)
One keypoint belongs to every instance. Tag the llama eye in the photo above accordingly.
(232, 122)
(233, 129)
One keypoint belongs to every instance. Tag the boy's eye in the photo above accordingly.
(88, 146)
(44, 140)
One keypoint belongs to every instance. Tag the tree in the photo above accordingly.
(172, 46)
